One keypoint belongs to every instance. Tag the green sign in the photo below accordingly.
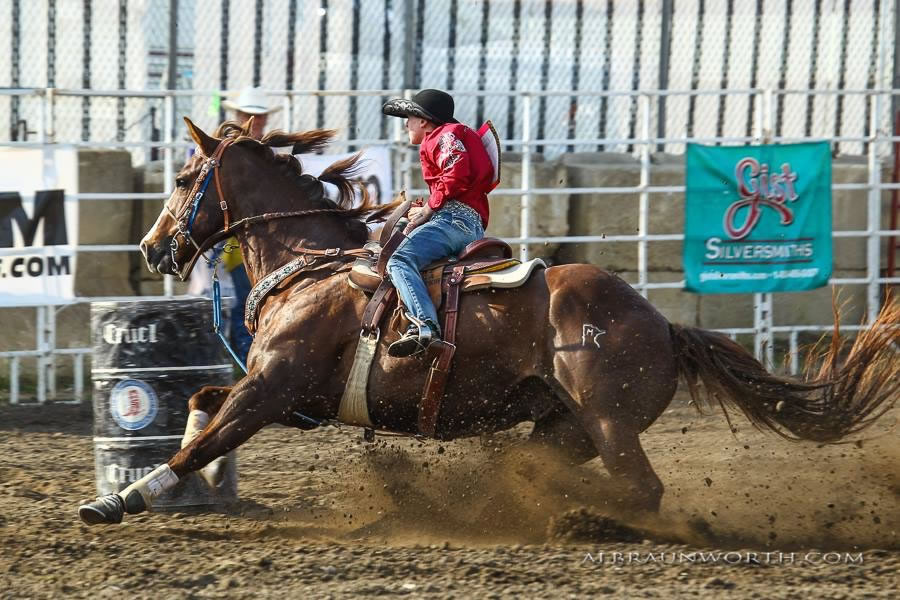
(758, 218)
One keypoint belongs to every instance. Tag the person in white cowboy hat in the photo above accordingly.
(252, 102)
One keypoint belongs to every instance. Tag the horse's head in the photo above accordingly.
(193, 215)
(236, 180)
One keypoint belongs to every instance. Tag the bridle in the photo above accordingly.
(184, 221)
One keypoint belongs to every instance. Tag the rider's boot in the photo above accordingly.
(419, 335)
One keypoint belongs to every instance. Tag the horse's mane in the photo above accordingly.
(339, 174)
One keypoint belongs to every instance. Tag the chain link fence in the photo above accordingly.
(465, 45)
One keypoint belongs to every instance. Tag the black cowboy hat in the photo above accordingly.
(434, 105)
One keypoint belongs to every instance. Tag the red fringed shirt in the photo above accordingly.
(456, 166)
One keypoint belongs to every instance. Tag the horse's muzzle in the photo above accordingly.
(159, 257)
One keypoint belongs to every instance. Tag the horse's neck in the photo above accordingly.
(272, 244)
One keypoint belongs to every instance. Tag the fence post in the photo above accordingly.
(79, 376)
(45, 117)
(763, 345)
(873, 245)
(14, 380)
(665, 51)
(525, 203)
(644, 199)
(168, 172)
(51, 356)
(794, 353)
(41, 345)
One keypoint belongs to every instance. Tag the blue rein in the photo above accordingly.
(217, 328)
(217, 320)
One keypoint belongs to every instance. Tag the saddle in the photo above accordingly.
(483, 264)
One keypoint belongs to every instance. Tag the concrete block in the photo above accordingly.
(722, 311)
(813, 307)
(849, 212)
(104, 222)
(548, 215)
(599, 214)
(148, 178)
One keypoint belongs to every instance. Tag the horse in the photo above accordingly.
(533, 353)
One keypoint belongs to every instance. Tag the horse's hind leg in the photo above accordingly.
(582, 436)
(624, 458)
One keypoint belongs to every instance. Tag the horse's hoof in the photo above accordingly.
(214, 473)
(105, 509)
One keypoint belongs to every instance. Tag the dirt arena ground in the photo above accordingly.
(324, 515)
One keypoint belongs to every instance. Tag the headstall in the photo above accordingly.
(185, 220)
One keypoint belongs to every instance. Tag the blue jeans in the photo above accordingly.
(451, 228)
(240, 337)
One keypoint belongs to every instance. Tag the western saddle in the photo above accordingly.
(482, 264)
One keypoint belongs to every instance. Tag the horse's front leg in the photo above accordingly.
(247, 409)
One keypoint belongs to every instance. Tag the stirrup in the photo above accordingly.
(414, 341)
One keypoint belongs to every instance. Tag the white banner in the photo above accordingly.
(38, 226)
(375, 169)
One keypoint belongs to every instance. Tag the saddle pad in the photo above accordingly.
(364, 277)
(509, 277)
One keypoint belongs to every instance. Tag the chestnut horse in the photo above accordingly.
(575, 350)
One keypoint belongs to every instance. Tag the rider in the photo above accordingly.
(459, 174)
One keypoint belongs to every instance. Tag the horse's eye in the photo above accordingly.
(180, 182)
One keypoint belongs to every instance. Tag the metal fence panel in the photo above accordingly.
(494, 45)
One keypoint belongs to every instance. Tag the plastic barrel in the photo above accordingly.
(149, 357)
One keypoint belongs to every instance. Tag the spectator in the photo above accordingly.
(251, 102)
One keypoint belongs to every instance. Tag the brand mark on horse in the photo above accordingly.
(591, 332)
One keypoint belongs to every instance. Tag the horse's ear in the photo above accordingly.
(206, 143)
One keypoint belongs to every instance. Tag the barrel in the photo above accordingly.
(149, 357)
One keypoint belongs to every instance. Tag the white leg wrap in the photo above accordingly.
(151, 486)
(214, 472)
(196, 422)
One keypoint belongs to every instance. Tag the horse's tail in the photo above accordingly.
(836, 401)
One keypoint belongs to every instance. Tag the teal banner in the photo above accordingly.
(757, 218)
